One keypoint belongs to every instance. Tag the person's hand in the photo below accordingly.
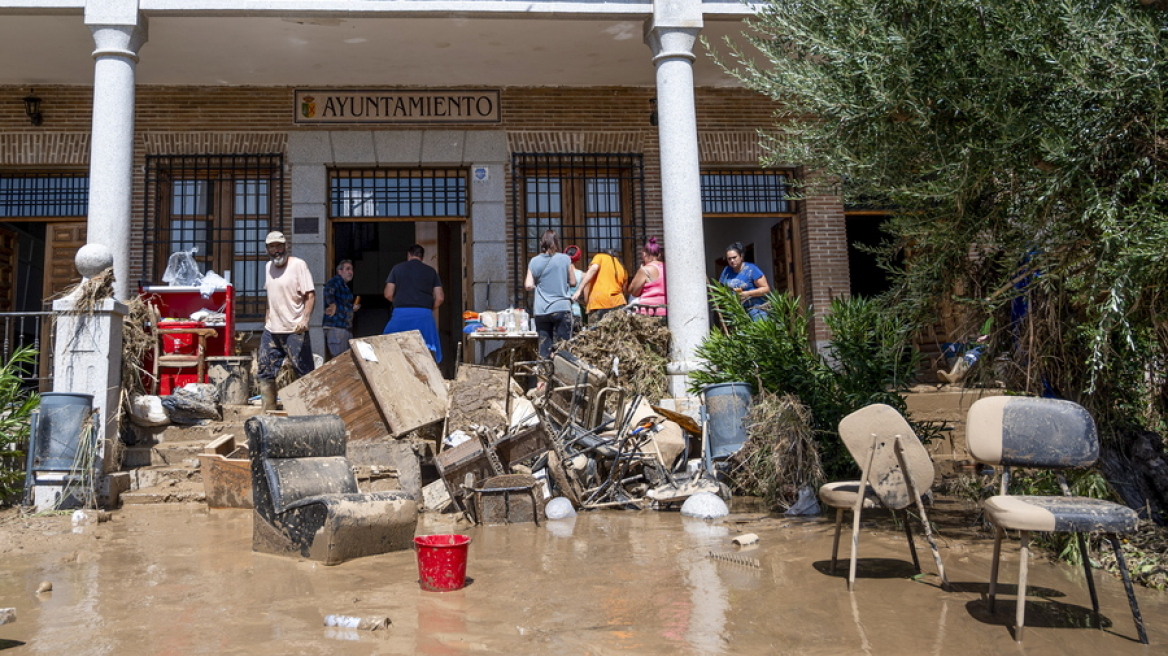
(356, 306)
(330, 309)
(301, 327)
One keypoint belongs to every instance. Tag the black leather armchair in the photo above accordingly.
(306, 498)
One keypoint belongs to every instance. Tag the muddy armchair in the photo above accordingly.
(306, 498)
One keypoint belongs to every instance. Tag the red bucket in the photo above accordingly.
(442, 561)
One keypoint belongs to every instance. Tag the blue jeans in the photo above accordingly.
(554, 327)
(274, 347)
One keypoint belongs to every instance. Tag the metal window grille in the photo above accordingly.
(44, 195)
(220, 206)
(596, 201)
(29, 329)
(382, 193)
(746, 192)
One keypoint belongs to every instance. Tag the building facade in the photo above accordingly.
(359, 127)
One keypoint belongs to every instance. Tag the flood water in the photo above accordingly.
(179, 579)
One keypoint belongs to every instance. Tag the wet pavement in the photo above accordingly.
(179, 579)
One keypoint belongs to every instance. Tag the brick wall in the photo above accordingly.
(178, 120)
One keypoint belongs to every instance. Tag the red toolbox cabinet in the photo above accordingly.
(175, 305)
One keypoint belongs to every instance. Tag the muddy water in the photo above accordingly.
(183, 580)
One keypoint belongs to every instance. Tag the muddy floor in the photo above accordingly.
(179, 579)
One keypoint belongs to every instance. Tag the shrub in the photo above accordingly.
(17, 402)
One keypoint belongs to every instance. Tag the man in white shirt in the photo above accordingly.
(291, 296)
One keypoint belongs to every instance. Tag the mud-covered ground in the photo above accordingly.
(179, 579)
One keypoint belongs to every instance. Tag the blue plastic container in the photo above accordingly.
(726, 405)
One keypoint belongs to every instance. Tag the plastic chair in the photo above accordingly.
(1048, 434)
(881, 440)
(306, 498)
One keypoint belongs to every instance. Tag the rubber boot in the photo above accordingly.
(268, 394)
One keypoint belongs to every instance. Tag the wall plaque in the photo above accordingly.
(395, 106)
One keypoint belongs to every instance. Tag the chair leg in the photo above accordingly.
(912, 546)
(998, 533)
(1127, 585)
(861, 493)
(855, 541)
(924, 517)
(839, 521)
(1090, 579)
(1023, 563)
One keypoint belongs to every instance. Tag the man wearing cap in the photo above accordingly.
(291, 296)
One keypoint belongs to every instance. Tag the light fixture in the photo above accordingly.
(32, 108)
(653, 113)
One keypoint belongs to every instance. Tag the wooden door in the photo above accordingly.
(61, 243)
(788, 272)
(8, 257)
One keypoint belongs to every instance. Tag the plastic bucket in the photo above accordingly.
(56, 434)
(442, 561)
(726, 408)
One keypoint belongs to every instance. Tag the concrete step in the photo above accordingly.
(170, 454)
(174, 493)
(163, 476)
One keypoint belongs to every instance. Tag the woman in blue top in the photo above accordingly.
(747, 280)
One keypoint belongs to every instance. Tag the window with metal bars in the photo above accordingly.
(431, 194)
(737, 193)
(44, 195)
(220, 206)
(596, 201)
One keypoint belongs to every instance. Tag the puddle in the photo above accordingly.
(179, 579)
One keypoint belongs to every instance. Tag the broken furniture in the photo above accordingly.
(467, 467)
(174, 306)
(306, 498)
(177, 345)
(509, 499)
(898, 470)
(474, 345)
(226, 471)
(1015, 431)
(385, 385)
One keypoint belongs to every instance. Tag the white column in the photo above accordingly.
(671, 35)
(118, 33)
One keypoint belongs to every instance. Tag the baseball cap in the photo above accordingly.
(275, 238)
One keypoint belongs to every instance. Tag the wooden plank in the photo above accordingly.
(337, 387)
(403, 379)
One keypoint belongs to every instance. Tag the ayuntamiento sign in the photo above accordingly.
(392, 106)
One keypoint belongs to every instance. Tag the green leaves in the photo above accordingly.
(16, 405)
(1000, 132)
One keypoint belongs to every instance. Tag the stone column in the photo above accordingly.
(671, 34)
(118, 33)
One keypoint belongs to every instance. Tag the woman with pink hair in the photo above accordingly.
(649, 282)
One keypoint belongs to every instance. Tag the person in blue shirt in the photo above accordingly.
(747, 280)
(339, 306)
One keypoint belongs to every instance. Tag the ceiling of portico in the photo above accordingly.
(365, 51)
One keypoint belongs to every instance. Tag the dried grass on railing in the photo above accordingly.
(780, 455)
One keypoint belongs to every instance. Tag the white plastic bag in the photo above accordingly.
(147, 410)
(182, 270)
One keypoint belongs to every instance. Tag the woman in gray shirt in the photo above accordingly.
(551, 276)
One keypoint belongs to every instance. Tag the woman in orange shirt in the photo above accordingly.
(603, 286)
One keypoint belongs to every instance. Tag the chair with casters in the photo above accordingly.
(1015, 431)
(895, 471)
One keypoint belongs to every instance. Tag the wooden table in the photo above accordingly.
(473, 343)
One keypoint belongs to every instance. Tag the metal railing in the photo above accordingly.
(29, 329)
